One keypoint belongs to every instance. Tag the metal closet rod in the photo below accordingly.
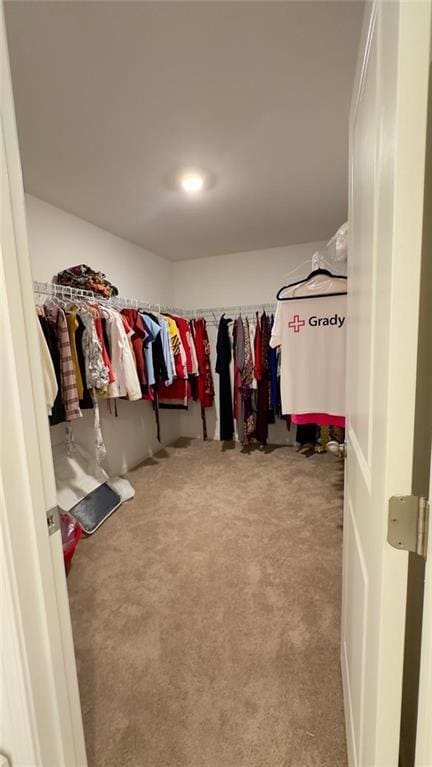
(68, 292)
(235, 309)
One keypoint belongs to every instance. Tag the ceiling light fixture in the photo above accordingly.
(192, 181)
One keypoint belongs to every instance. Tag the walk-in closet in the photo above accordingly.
(209, 340)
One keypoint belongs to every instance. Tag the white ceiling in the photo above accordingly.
(112, 97)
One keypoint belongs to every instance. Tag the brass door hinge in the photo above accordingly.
(408, 522)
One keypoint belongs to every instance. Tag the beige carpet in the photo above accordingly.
(206, 614)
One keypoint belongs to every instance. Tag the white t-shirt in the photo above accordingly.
(312, 336)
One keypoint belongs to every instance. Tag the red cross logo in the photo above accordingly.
(296, 323)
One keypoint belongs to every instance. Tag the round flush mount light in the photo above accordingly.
(192, 181)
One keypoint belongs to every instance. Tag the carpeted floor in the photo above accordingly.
(206, 613)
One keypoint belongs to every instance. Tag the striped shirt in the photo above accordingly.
(56, 316)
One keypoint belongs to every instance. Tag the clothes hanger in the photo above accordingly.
(53, 300)
(104, 312)
(314, 273)
(40, 301)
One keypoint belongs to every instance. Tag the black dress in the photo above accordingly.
(223, 360)
(86, 403)
(263, 393)
(57, 410)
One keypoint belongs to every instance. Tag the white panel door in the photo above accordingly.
(40, 714)
(387, 164)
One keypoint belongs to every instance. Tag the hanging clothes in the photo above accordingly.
(167, 351)
(204, 380)
(72, 323)
(69, 393)
(86, 403)
(192, 344)
(152, 330)
(312, 337)
(273, 373)
(97, 374)
(257, 350)
(159, 359)
(263, 398)
(138, 338)
(123, 362)
(185, 343)
(105, 356)
(223, 360)
(133, 354)
(49, 373)
(154, 362)
(239, 361)
(244, 394)
(179, 356)
(176, 395)
(246, 380)
(252, 335)
(58, 414)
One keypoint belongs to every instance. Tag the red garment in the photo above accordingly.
(321, 419)
(183, 327)
(179, 390)
(202, 346)
(180, 370)
(178, 393)
(138, 338)
(126, 325)
(129, 332)
(105, 355)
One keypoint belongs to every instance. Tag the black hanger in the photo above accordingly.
(314, 273)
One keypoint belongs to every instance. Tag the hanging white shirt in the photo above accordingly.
(49, 376)
(194, 357)
(122, 361)
(312, 336)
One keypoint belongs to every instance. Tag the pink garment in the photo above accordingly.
(322, 419)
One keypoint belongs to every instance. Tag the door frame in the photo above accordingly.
(41, 708)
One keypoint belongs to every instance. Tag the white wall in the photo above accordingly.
(58, 240)
(240, 278)
(237, 278)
